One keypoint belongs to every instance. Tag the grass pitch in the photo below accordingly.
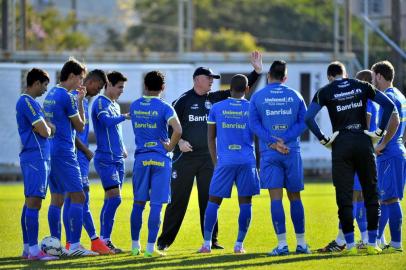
(321, 227)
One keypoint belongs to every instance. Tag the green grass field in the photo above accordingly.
(321, 227)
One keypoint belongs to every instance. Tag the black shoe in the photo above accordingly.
(216, 245)
(113, 248)
(163, 247)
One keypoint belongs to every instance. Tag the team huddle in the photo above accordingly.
(211, 135)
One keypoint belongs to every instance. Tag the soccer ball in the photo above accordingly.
(51, 246)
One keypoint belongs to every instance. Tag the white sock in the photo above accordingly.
(207, 244)
(364, 237)
(383, 240)
(105, 240)
(238, 244)
(150, 247)
(26, 248)
(34, 250)
(395, 244)
(93, 237)
(74, 246)
(340, 238)
(350, 245)
(300, 237)
(281, 240)
(136, 244)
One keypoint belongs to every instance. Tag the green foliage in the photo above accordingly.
(50, 31)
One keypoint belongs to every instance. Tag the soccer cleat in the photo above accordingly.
(331, 247)
(349, 252)
(80, 252)
(162, 247)
(279, 251)
(239, 250)
(390, 249)
(361, 245)
(100, 247)
(42, 256)
(67, 245)
(216, 245)
(24, 255)
(303, 250)
(373, 250)
(113, 248)
(204, 249)
(135, 251)
(154, 253)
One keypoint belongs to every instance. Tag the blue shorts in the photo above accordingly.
(357, 184)
(245, 177)
(111, 173)
(152, 178)
(65, 175)
(391, 178)
(282, 171)
(84, 170)
(35, 174)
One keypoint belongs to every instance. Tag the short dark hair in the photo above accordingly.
(71, 66)
(239, 83)
(385, 68)
(278, 70)
(97, 74)
(154, 80)
(37, 74)
(364, 75)
(114, 77)
(335, 68)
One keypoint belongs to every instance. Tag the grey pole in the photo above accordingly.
(366, 36)
(181, 24)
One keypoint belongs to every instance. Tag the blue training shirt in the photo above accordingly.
(34, 146)
(235, 141)
(149, 118)
(83, 136)
(277, 111)
(106, 117)
(395, 147)
(60, 106)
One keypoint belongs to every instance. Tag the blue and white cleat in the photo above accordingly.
(279, 251)
(303, 250)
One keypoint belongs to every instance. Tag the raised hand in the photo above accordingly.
(256, 61)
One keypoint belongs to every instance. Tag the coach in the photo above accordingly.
(191, 157)
(352, 148)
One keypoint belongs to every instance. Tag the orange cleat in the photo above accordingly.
(100, 247)
(67, 246)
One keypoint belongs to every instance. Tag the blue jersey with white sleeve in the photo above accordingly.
(106, 117)
(34, 146)
(277, 111)
(60, 106)
(395, 146)
(149, 118)
(235, 141)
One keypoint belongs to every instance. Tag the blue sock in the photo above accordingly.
(349, 238)
(210, 219)
(395, 222)
(154, 221)
(244, 220)
(109, 214)
(75, 221)
(297, 216)
(54, 221)
(31, 222)
(361, 216)
(87, 218)
(383, 220)
(278, 216)
(102, 218)
(65, 215)
(136, 221)
(23, 226)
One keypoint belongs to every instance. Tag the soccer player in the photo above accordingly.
(359, 209)
(192, 157)
(277, 118)
(110, 151)
(67, 114)
(95, 80)
(231, 146)
(391, 157)
(34, 159)
(352, 146)
(150, 117)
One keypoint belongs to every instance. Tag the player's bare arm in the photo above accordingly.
(211, 140)
(82, 147)
(42, 129)
(390, 132)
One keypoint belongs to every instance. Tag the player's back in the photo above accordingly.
(29, 112)
(235, 141)
(59, 107)
(279, 106)
(149, 118)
